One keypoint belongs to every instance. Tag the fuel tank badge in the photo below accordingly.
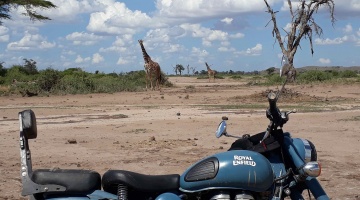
(243, 160)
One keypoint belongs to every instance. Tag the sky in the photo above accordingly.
(227, 34)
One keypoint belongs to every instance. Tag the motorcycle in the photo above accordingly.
(267, 165)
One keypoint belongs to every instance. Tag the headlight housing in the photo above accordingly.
(306, 149)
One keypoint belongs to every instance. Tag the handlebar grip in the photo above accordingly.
(272, 101)
(273, 109)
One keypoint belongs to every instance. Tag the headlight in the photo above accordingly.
(306, 149)
(310, 151)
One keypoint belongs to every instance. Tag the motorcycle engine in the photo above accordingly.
(238, 196)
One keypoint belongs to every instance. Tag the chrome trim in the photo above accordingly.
(307, 149)
(312, 169)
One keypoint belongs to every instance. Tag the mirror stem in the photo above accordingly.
(228, 135)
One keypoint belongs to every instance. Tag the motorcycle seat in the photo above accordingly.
(74, 180)
(140, 182)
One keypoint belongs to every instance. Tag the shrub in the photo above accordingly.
(314, 76)
(274, 79)
(48, 79)
(348, 74)
(236, 77)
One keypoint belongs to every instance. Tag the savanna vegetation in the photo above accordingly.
(27, 80)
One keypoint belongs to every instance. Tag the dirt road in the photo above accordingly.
(154, 132)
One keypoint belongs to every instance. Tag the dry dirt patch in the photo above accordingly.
(155, 139)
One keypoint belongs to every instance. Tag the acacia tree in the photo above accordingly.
(30, 7)
(30, 66)
(179, 68)
(303, 25)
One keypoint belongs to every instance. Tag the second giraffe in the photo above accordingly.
(211, 72)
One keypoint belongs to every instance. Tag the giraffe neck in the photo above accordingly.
(145, 55)
(207, 67)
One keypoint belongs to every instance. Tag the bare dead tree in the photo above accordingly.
(302, 26)
(175, 69)
(193, 69)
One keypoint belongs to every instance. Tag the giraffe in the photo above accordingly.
(211, 72)
(151, 67)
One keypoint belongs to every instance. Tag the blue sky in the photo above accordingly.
(228, 35)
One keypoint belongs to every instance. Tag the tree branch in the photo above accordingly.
(275, 29)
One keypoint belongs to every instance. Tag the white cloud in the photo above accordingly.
(225, 49)
(208, 35)
(328, 41)
(347, 7)
(29, 42)
(4, 36)
(121, 44)
(324, 60)
(348, 28)
(70, 52)
(237, 35)
(174, 48)
(122, 61)
(116, 18)
(288, 27)
(227, 20)
(97, 58)
(83, 38)
(200, 9)
(198, 52)
(68, 10)
(79, 59)
(254, 51)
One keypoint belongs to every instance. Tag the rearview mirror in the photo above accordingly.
(27, 122)
(221, 129)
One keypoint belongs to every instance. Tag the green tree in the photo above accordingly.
(179, 68)
(48, 79)
(30, 7)
(270, 70)
(2, 69)
(30, 66)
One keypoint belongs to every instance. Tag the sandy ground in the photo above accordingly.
(154, 132)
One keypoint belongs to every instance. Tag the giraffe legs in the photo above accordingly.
(158, 79)
(151, 82)
(146, 80)
(211, 76)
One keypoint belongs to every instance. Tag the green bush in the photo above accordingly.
(48, 79)
(236, 77)
(348, 74)
(274, 79)
(314, 76)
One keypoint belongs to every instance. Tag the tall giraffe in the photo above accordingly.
(211, 72)
(151, 67)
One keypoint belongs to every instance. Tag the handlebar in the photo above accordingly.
(273, 113)
(277, 118)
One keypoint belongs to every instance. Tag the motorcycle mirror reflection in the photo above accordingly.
(221, 129)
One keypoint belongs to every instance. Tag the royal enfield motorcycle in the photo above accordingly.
(267, 165)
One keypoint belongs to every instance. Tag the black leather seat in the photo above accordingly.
(74, 180)
(140, 182)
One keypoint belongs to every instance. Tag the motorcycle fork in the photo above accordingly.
(311, 182)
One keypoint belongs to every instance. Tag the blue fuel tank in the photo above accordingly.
(238, 169)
